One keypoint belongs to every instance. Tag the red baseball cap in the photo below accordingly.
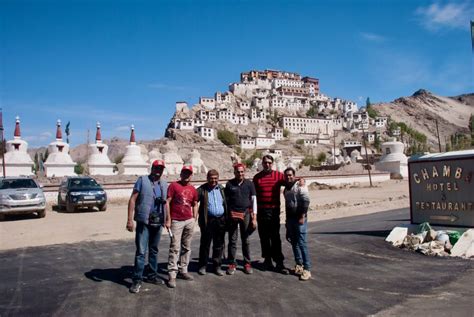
(157, 163)
(187, 168)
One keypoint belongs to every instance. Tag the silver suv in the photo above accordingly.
(21, 195)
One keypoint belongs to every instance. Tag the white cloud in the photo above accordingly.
(452, 15)
(166, 87)
(372, 37)
(44, 136)
(122, 128)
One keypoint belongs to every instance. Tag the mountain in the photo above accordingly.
(422, 109)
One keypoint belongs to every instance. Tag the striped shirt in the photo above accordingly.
(215, 202)
(268, 187)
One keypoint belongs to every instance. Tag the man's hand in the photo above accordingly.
(129, 225)
(288, 235)
(168, 224)
(254, 221)
(301, 220)
(301, 182)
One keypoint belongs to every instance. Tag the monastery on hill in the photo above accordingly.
(262, 95)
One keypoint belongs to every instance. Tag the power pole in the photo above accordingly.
(437, 131)
(334, 149)
(2, 141)
(366, 156)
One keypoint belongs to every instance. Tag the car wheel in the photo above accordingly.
(41, 213)
(103, 207)
(70, 207)
(60, 206)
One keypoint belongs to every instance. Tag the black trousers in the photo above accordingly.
(269, 231)
(213, 231)
(244, 237)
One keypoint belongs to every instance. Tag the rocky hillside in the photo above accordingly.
(421, 111)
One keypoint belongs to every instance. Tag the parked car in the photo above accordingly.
(21, 195)
(81, 191)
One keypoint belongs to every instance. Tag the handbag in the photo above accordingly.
(237, 215)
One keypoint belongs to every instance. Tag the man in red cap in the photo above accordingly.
(147, 207)
(182, 208)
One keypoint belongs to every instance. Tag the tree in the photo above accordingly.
(286, 133)
(78, 169)
(367, 102)
(311, 112)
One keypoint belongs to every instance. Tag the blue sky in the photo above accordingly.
(128, 62)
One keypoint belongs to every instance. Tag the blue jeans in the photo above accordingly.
(297, 234)
(146, 237)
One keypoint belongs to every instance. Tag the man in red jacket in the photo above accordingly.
(267, 184)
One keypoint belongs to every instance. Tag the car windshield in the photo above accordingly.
(79, 183)
(17, 183)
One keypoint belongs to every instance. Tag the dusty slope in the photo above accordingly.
(422, 109)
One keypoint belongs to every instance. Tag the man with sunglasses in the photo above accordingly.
(268, 184)
(147, 207)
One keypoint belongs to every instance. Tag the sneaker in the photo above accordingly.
(268, 265)
(306, 275)
(248, 268)
(135, 288)
(298, 269)
(219, 271)
(155, 280)
(172, 282)
(231, 269)
(280, 268)
(202, 270)
(185, 276)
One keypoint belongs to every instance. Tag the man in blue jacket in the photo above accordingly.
(147, 207)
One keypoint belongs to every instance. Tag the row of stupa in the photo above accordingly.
(59, 163)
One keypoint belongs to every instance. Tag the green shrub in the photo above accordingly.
(227, 137)
(286, 133)
(249, 161)
(79, 169)
(300, 141)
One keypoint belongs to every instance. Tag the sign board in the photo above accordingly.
(442, 188)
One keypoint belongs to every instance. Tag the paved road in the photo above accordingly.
(356, 273)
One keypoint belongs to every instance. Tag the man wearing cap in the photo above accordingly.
(147, 207)
(242, 204)
(182, 209)
(212, 222)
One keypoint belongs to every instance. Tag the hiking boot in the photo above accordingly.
(280, 268)
(248, 268)
(231, 269)
(298, 269)
(268, 265)
(306, 275)
(172, 282)
(202, 270)
(185, 276)
(155, 280)
(135, 288)
(219, 271)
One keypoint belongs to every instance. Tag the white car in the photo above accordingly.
(21, 195)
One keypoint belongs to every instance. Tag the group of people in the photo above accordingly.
(237, 207)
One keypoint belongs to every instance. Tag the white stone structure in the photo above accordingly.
(17, 160)
(309, 125)
(98, 161)
(59, 163)
(393, 159)
(206, 133)
(247, 143)
(209, 103)
(196, 162)
(133, 163)
(173, 160)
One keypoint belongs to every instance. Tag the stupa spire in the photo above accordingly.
(132, 134)
(17, 133)
(59, 134)
(98, 135)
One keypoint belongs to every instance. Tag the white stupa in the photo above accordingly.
(17, 160)
(196, 162)
(393, 160)
(98, 161)
(133, 162)
(59, 163)
(173, 160)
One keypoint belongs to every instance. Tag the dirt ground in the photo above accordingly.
(61, 227)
